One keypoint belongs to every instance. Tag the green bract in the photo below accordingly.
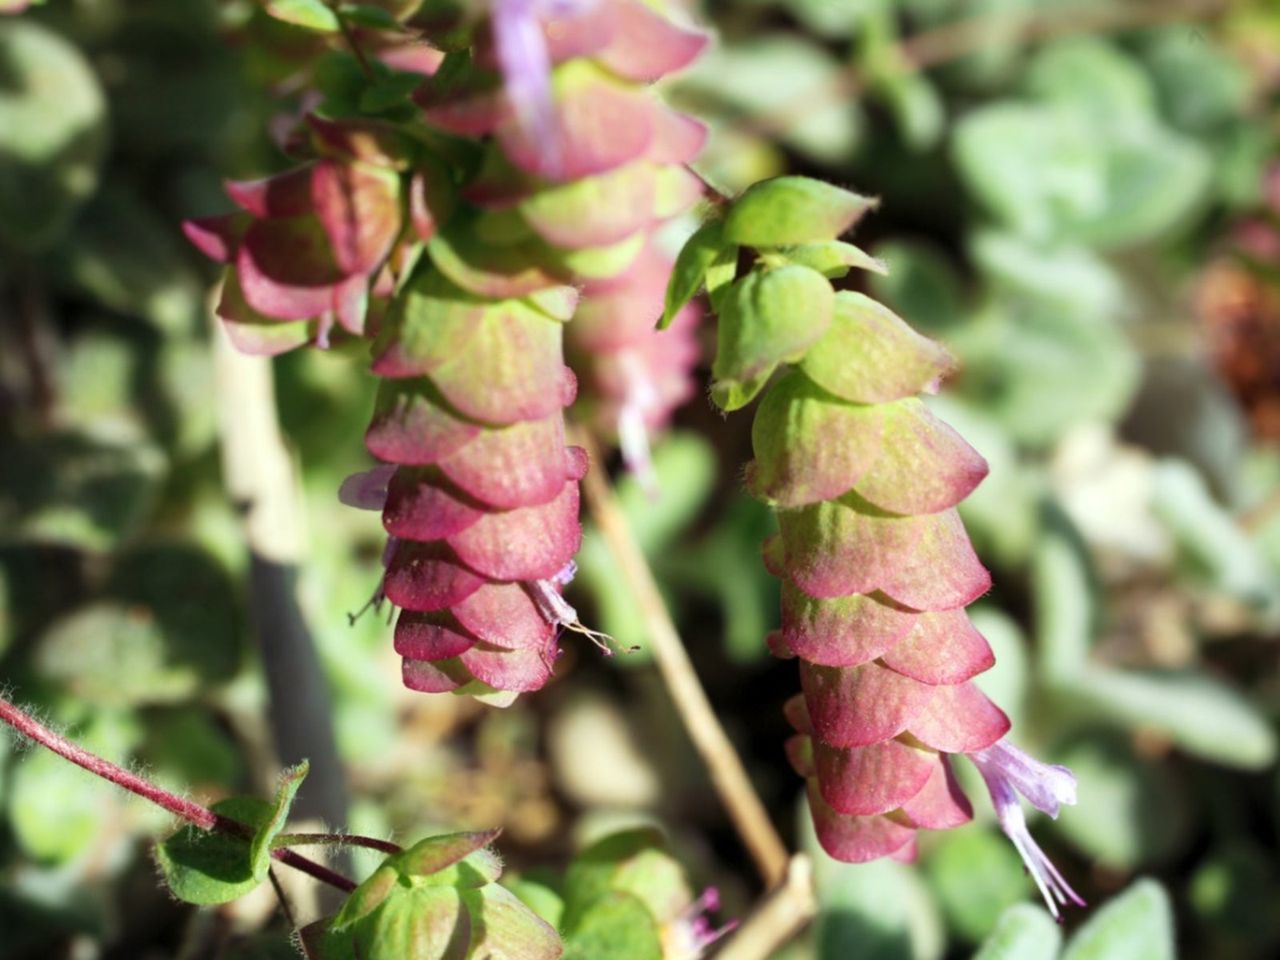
(768, 317)
(439, 899)
(209, 867)
(790, 210)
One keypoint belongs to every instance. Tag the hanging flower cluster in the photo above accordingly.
(596, 165)
(876, 566)
(310, 247)
(457, 237)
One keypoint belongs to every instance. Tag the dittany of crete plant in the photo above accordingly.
(875, 563)
(450, 207)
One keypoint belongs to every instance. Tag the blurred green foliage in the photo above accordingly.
(1058, 181)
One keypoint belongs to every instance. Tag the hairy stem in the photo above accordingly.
(335, 840)
(282, 899)
(708, 736)
(188, 810)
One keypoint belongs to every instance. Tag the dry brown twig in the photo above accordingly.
(709, 738)
(784, 912)
(789, 903)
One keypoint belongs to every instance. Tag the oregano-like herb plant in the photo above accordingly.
(476, 192)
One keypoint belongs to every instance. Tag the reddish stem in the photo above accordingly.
(188, 810)
(336, 839)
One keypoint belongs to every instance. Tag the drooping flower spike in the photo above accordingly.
(457, 244)
(876, 566)
(1009, 772)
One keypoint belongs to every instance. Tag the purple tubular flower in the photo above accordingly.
(520, 46)
(1009, 772)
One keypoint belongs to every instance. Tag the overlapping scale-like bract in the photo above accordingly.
(483, 506)
(458, 240)
(608, 171)
(875, 564)
(315, 247)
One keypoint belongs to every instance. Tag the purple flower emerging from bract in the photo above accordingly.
(521, 49)
(1009, 772)
(557, 611)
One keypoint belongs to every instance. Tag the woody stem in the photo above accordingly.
(709, 738)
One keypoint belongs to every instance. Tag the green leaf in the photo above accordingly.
(1023, 932)
(1201, 87)
(189, 746)
(539, 897)
(916, 106)
(286, 789)
(1199, 713)
(792, 210)
(168, 630)
(616, 925)
(1073, 280)
(312, 14)
(1093, 75)
(704, 248)
(367, 897)
(1136, 925)
(127, 258)
(920, 283)
(1031, 166)
(1051, 173)
(1210, 541)
(53, 133)
(389, 90)
(455, 859)
(720, 276)
(79, 490)
(875, 911)
(319, 941)
(1063, 591)
(1232, 890)
(1040, 368)
(207, 867)
(634, 862)
(975, 874)
(762, 79)
(1132, 811)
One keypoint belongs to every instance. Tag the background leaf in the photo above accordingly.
(1137, 925)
